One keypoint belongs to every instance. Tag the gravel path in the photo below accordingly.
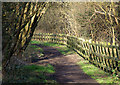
(67, 71)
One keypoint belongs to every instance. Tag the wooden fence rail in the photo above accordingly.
(102, 54)
(50, 37)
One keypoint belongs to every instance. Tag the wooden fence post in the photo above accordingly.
(119, 62)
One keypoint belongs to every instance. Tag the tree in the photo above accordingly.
(105, 22)
(19, 22)
(66, 17)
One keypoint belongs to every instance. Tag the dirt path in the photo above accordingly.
(67, 71)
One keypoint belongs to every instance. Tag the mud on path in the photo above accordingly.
(66, 69)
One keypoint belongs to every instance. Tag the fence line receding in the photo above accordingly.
(102, 54)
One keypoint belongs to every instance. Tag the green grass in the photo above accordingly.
(33, 51)
(34, 42)
(46, 43)
(35, 48)
(65, 50)
(61, 48)
(35, 73)
(49, 68)
(32, 74)
(96, 73)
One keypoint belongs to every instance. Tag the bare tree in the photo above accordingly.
(19, 23)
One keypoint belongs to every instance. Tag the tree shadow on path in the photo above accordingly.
(66, 69)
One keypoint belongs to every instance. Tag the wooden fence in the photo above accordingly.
(102, 54)
(50, 37)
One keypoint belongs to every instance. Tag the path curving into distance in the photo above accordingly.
(67, 71)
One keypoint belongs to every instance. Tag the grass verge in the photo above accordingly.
(63, 49)
(32, 52)
(96, 73)
(32, 74)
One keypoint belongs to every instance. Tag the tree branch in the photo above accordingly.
(103, 13)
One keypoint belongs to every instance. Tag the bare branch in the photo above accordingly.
(103, 13)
